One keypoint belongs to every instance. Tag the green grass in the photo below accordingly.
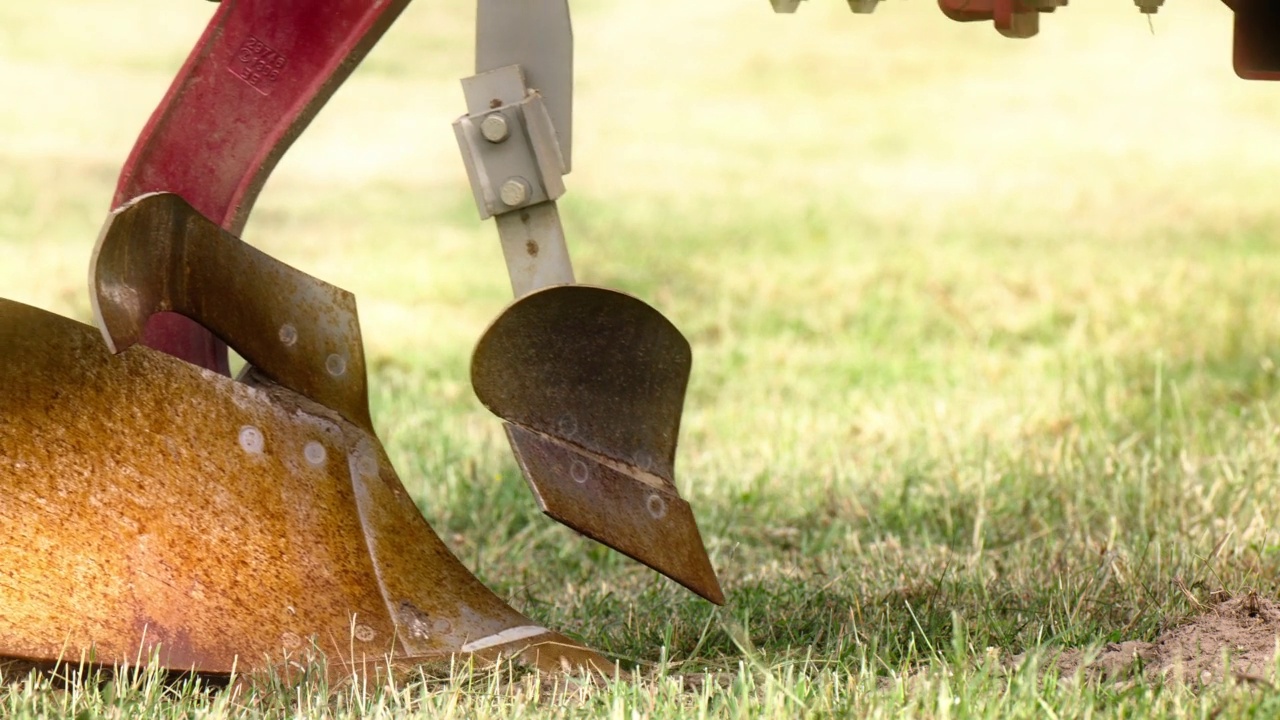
(986, 337)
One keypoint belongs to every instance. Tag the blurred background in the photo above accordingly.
(915, 260)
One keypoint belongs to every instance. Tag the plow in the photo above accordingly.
(156, 506)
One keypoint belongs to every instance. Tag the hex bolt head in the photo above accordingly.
(515, 191)
(494, 128)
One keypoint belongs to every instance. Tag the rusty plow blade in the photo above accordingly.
(151, 506)
(591, 384)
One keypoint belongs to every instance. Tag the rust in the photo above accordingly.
(531, 247)
(232, 111)
(149, 505)
(646, 521)
(601, 375)
(157, 254)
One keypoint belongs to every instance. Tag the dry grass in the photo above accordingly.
(985, 334)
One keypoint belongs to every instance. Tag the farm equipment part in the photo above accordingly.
(157, 506)
(1257, 24)
(154, 508)
(589, 381)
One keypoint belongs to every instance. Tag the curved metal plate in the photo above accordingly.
(149, 505)
(255, 79)
(592, 382)
(598, 368)
(157, 254)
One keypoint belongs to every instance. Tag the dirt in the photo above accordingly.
(1236, 637)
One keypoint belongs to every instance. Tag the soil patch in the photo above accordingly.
(1236, 637)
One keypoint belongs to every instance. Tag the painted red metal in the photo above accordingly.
(259, 73)
(1256, 46)
(1012, 18)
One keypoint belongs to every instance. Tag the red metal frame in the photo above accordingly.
(259, 73)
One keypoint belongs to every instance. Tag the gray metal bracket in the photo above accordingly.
(538, 36)
(508, 143)
(516, 136)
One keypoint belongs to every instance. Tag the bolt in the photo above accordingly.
(1148, 7)
(515, 191)
(494, 128)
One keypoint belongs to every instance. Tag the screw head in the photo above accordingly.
(494, 128)
(515, 191)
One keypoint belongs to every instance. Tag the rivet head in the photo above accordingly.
(336, 365)
(314, 452)
(288, 335)
(251, 440)
(494, 128)
(656, 506)
(515, 191)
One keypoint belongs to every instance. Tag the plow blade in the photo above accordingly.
(591, 384)
(151, 506)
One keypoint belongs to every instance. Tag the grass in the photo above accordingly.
(985, 336)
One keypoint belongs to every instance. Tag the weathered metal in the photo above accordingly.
(157, 254)
(591, 382)
(258, 75)
(151, 506)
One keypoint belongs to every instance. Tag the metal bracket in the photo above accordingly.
(508, 143)
(538, 36)
(517, 133)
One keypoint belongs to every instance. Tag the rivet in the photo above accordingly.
(579, 471)
(644, 461)
(336, 365)
(657, 506)
(288, 335)
(251, 439)
(567, 426)
(314, 452)
(364, 633)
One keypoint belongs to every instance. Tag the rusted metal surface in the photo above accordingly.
(258, 75)
(597, 378)
(150, 505)
(157, 254)
(647, 521)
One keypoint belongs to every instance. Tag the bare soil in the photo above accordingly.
(1234, 638)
